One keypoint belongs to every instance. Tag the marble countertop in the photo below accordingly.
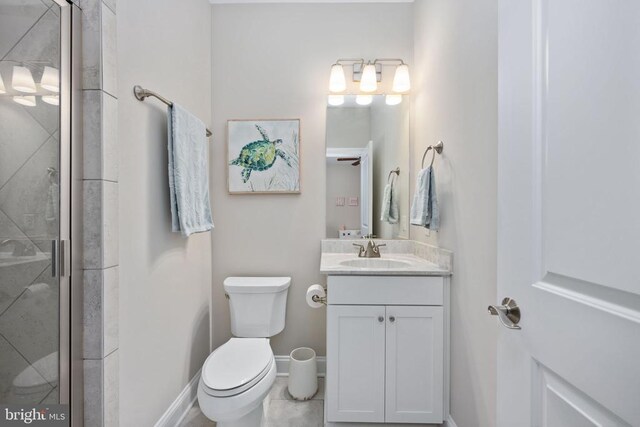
(398, 258)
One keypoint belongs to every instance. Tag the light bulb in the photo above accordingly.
(27, 101)
(51, 99)
(22, 80)
(401, 81)
(337, 82)
(364, 99)
(369, 80)
(336, 100)
(50, 79)
(394, 99)
(2, 88)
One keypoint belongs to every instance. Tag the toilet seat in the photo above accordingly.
(236, 366)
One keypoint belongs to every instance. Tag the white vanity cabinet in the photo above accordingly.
(387, 341)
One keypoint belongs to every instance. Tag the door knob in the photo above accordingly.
(380, 319)
(508, 313)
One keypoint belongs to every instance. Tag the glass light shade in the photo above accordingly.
(401, 81)
(394, 99)
(27, 101)
(50, 79)
(369, 80)
(51, 99)
(337, 82)
(364, 99)
(2, 88)
(336, 100)
(22, 80)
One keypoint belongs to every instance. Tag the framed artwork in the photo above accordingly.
(263, 156)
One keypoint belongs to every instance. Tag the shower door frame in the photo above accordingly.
(69, 251)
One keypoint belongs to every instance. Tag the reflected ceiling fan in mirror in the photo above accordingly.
(355, 160)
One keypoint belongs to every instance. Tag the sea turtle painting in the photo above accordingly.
(259, 155)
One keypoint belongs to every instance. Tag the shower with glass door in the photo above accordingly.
(36, 303)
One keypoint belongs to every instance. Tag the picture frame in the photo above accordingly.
(263, 156)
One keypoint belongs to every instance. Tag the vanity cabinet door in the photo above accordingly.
(414, 364)
(355, 363)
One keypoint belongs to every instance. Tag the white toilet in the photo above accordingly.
(238, 375)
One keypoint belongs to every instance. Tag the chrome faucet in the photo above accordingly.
(372, 250)
(19, 248)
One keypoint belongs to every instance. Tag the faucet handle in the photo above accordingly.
(360, 250)
(377, 247)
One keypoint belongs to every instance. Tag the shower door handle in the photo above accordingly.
(54, 258)
(64, 256)
(60, 258)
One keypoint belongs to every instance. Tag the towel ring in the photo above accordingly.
(436, 149)
(394, 171)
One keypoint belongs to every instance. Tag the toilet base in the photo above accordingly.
(252, 419)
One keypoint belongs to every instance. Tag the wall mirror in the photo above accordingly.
(367, 147)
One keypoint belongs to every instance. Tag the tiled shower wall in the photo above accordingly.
(100, 213)
(29, 135)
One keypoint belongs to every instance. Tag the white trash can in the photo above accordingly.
(303, 373)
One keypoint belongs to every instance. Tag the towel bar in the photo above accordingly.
(396, 171)
(436, 149)
(141, 94)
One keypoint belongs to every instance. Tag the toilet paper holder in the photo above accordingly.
(321, 300)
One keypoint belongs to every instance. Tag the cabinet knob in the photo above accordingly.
(380, 319)
(392, 319)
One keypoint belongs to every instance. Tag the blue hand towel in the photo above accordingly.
(424, 209)
(389, 205)
(188, 173)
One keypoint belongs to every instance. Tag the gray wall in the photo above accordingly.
(455, 100)
(165, 279)
(273, 61)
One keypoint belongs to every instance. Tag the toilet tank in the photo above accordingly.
(257, 305)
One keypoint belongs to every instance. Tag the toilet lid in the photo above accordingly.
(237, 363)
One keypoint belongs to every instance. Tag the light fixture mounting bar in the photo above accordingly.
(395, 61)
(357, 72)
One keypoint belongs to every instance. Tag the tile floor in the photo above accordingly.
(280, 410)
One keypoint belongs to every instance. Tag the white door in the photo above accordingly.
(569, 212)
(415, 350)
(366, 189)
(355, 363)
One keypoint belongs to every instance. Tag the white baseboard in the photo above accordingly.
(181, 406)
(282, 365)
(450, 422)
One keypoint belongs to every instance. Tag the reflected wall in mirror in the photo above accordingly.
(365, 143)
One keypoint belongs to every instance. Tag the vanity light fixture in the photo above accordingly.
(364, 99)
(51, 99)
(335, 100)
(27, 101)
(393, 99)
(401, 80)
(2, 88)
(337, 81)
(22, 80)
(50, 79)
(368, 76)
(369, 81)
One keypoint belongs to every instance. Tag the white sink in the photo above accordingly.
(375, 263)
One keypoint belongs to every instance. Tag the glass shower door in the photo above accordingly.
(29, 201)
